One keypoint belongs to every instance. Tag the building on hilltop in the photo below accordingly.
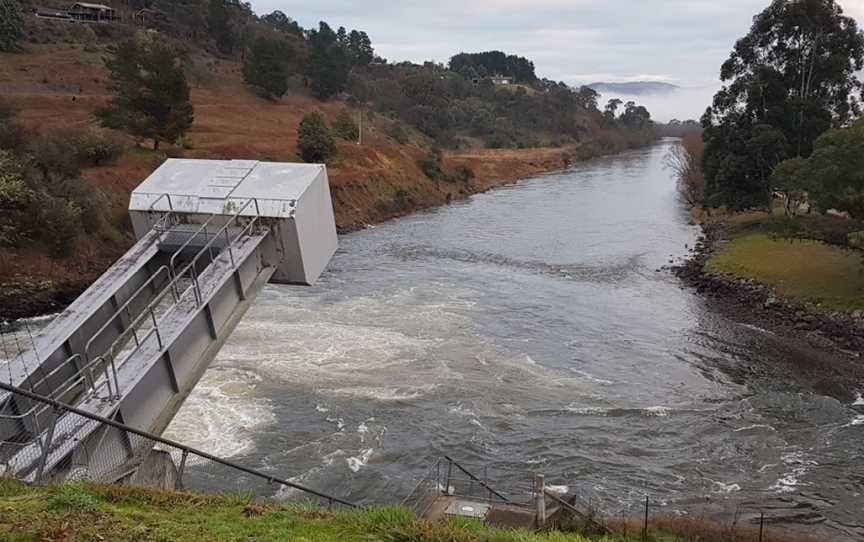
(97, 13)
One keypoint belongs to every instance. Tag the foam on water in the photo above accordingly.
(798, 467)
(355, 463)
(859, 400)
(222, 414)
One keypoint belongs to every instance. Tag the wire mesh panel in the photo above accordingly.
(114, 453)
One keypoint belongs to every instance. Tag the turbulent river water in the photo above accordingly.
(529, 328)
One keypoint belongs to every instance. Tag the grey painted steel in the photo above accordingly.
(293, 198)
(135, 344)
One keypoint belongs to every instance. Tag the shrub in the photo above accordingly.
(96, 148)
(463, 174)
(55, 156)
(11, 133)
(396, 131)
(344, 126)
(315, 140)
(85, 35)
(430, 164)
(60, 222)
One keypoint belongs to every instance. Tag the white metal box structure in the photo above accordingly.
(294, 198)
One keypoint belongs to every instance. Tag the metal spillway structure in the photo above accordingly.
(132, 347)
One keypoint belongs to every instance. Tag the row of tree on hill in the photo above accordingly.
(784, 121)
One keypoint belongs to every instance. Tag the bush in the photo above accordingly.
(463, 174)
(397, 132)
(11, 133)
(430, 164)
(315, 140)
(95, 148)
(344, 126)
(55, 156)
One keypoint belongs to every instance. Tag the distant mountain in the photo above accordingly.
(635, 88)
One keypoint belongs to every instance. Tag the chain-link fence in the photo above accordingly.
(47, 449)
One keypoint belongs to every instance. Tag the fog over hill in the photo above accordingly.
(635, 88)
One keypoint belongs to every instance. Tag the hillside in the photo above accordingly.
(58, 79)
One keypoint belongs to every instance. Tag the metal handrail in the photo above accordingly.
(69, 384)
(125, 306)
(148, 311)
(60, 407)
(597, 523)
(476, 479)
(186, 244)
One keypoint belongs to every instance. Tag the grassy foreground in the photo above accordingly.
(84, 512)
(91, 512)
(801, 258)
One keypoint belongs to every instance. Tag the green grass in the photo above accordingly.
(88, 512)
(84, 512)
(805, 271)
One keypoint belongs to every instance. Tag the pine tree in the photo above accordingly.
(315, 140)
(152, 95)
(219, 22)
(11, 25)
(328, 64)
(265, 67)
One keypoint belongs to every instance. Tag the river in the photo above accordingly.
(529, 328)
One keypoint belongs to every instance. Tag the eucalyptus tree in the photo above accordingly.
(791, 78)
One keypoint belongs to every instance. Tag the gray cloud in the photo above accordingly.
(577, 41)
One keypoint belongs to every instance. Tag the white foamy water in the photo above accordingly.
(222, 415)
(797, 466)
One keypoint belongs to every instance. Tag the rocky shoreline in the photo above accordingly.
(838, 336)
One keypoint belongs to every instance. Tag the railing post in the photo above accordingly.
(181, 468)
(449, 474)
(156, 327)
(540, 500)
(645, 523)
(46, 448)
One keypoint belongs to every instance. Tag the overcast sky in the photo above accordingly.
(576, 41)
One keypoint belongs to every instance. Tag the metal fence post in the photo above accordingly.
(181, 469)
(449, 474)
(645, 524)
(540, 500)
(46, 448)
(761, 524)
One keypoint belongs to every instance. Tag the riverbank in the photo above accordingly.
(802, 290)
(86, 512)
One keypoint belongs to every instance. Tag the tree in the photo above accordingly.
(833, 176)
(685, 161)
(219, 23)
(152, 95)
(344, 126)
(11, 25)
(283, 23)
(266, 67)
(790, 79)
(611, 110)
(315, 140)
(360, 48)
(328, 65)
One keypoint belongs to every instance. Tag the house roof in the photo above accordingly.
(93, 6)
